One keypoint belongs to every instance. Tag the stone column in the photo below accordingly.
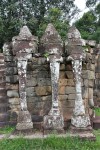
(24, 117)
(54, 119)
(52, 45)
(79, 118)
(80, 121)
(23, 46)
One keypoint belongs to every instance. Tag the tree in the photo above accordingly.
(91, 3)
(89, 24)
(34, 13)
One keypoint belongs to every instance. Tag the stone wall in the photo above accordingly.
(12, 83)
(38, 87)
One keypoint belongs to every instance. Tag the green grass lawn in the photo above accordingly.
(97, 111)
(51, 143)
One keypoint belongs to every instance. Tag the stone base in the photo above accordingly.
(55, 132)
(55, 122)
(24, 121)
(83, 133)
(80, 121)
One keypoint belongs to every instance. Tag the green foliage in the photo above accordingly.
(89, 24)
(97, 111)
(55, 17)
(50, 143)
(90, 3)
(34, 13)
(7, 130)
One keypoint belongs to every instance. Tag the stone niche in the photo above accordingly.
(38, 84)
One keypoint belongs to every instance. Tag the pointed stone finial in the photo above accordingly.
(51, 41)
(73, 33)
(25, 42)
(25, 33)
(75, 44)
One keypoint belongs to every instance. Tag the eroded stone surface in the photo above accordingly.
(76, 55)
(52, 44)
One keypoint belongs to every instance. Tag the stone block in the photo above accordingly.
(35, 108)
(44, 82)
(62, 90)
(34, 60)
(66, 103)
(62, 74)
(30, 91)
(12, 86)
(91, 74)
(69, 75)
(63, 97)
(91, 43)
(98, 75)
(85, 93)
(70, 90)
(31, 82)
(84, 74)
(33, 99)
(86, 82)
(62, 67)
(46, 98)
(88, 57)
(13, 101)
(8, 58)
(11, 70)
(43, 90)
(42, 60)
(93, 59)
(24, 121)
(90, 93)
(12, 79)
(71, 96)
(11, 64)
(70, 82)
(43, 74)
(68, 66)
(63, 82)
(91, 66)
(12, 93)
(46, 107)
(14, 108)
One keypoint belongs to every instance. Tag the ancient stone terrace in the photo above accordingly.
(49, 86)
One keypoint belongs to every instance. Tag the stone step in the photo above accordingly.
(96, 122)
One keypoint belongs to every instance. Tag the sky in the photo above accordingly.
(81, 5)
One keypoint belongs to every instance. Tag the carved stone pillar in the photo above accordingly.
(80, 121)
(54, 119)
(23, 46)
(24, 118)
(52, 45)
(79, 118)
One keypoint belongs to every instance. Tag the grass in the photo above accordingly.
(51, 143)
(7, 130)
(97, 111)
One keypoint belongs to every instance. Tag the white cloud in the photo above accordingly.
(80, 4)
